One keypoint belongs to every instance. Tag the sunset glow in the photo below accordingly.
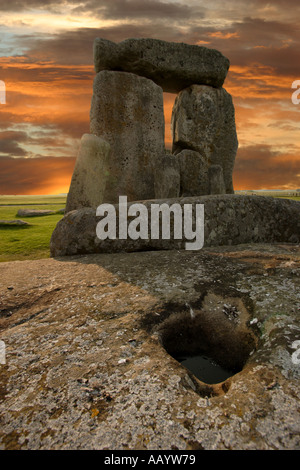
(46, 62)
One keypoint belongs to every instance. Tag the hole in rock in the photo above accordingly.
(213, 341)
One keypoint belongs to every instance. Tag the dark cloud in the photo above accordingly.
(45, 175)
(107, 9)
(121, 9)
(10, 143)
(260, 167)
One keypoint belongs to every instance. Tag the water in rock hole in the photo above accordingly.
(205, 369)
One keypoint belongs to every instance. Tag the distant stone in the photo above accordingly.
(167, 177)
(90, 173)
(203, 120)
(34, 212)
(13, 222)
(173, 66)
(127, 112)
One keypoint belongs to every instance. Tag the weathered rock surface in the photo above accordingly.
(203, 119)
(127, 112)
(167, 177)
(85, 367)
(90, 173)
(173, 66)
(194, 178)
(216, 180)
(229, 220)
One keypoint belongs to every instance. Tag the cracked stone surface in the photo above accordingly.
(85, 368)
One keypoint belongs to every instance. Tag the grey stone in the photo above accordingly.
(203, 119)
(173, 66)
(193, 174)
(90, 173)
(216, 180)
(13, 222)
(127, 112)
(229, 220)
(87, 367)
(34, 212)
(167, 177)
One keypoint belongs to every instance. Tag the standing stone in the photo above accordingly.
(127, 112)
(167, 177)
(193, 174)
(90, 174)
(203, 120)
(216, 180)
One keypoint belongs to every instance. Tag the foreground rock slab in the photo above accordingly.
(85, 367)
(173, 66)
(228, 220)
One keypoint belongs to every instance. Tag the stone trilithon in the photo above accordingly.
(124, 154)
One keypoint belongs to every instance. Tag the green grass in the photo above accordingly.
(295, 198)
(28, 242)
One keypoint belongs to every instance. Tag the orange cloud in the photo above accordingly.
(36, 175)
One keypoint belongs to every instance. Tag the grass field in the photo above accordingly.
(28, 242)
(32, 242)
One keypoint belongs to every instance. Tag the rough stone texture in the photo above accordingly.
(229, 220)
(127, 112)
(167, 177)
(85, 368)
(216, 180)
(203, 119)
(90, 173)
(194, 179)
(173, 66)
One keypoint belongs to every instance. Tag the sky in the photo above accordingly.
(47, 66)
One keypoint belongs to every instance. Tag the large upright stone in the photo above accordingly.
(90, 173)
(203, 120)
(173, 66)
(127, 112)
(194, 180)
(167, 177)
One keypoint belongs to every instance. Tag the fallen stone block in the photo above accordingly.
(228, 220)
(34, 212)
(17, 222)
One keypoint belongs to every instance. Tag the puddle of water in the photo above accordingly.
(205, 369)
